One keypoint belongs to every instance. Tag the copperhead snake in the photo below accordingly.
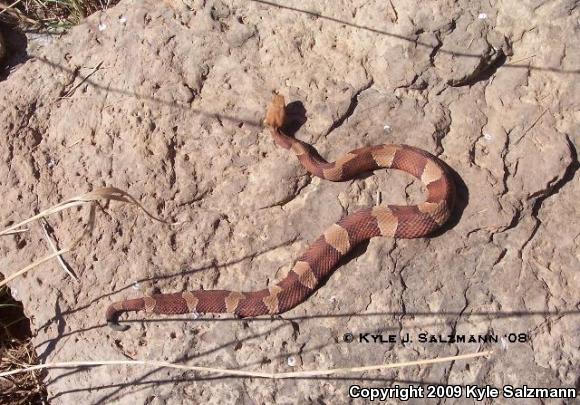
(323, 255)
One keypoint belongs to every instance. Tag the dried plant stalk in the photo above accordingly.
(107, 193)
(242, 373)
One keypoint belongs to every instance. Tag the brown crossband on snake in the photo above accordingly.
(323, 255)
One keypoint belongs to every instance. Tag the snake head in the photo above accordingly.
(276, 113)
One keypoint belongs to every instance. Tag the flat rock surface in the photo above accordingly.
(165, 100)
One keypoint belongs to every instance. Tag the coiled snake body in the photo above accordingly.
(321, 258)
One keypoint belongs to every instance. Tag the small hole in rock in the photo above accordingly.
(20, 244)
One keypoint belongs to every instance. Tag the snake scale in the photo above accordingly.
(322, 256)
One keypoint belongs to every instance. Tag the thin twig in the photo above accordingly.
(521, 60)
(32, 265)
(394, 11)
(15, 231)
(71, 91)
(242, 373)
(51, 210)
(531, 126)
(16, 13)
(106, 193)
(6, 8)
(75, 143)
(88, 228)
(52, 244)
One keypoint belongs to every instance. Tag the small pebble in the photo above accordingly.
(482, 16)
(122, 19)
(291, 361)
(487, 136)
(136, 285)
(387, 128)
(195, 315)
(102, 26)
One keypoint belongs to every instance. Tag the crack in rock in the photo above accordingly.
(351, 108)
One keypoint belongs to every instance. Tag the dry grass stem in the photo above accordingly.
(51, 14)
(15, 231)
(242, 373)
(54, 248)
(17, 351)
(531, 126)
(32, 265)
(8, 7)
(92, 198)
(71, 91)
(521, 60)
(25, 388)
(106, 193)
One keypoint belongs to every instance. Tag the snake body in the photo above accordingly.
(323, 255)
